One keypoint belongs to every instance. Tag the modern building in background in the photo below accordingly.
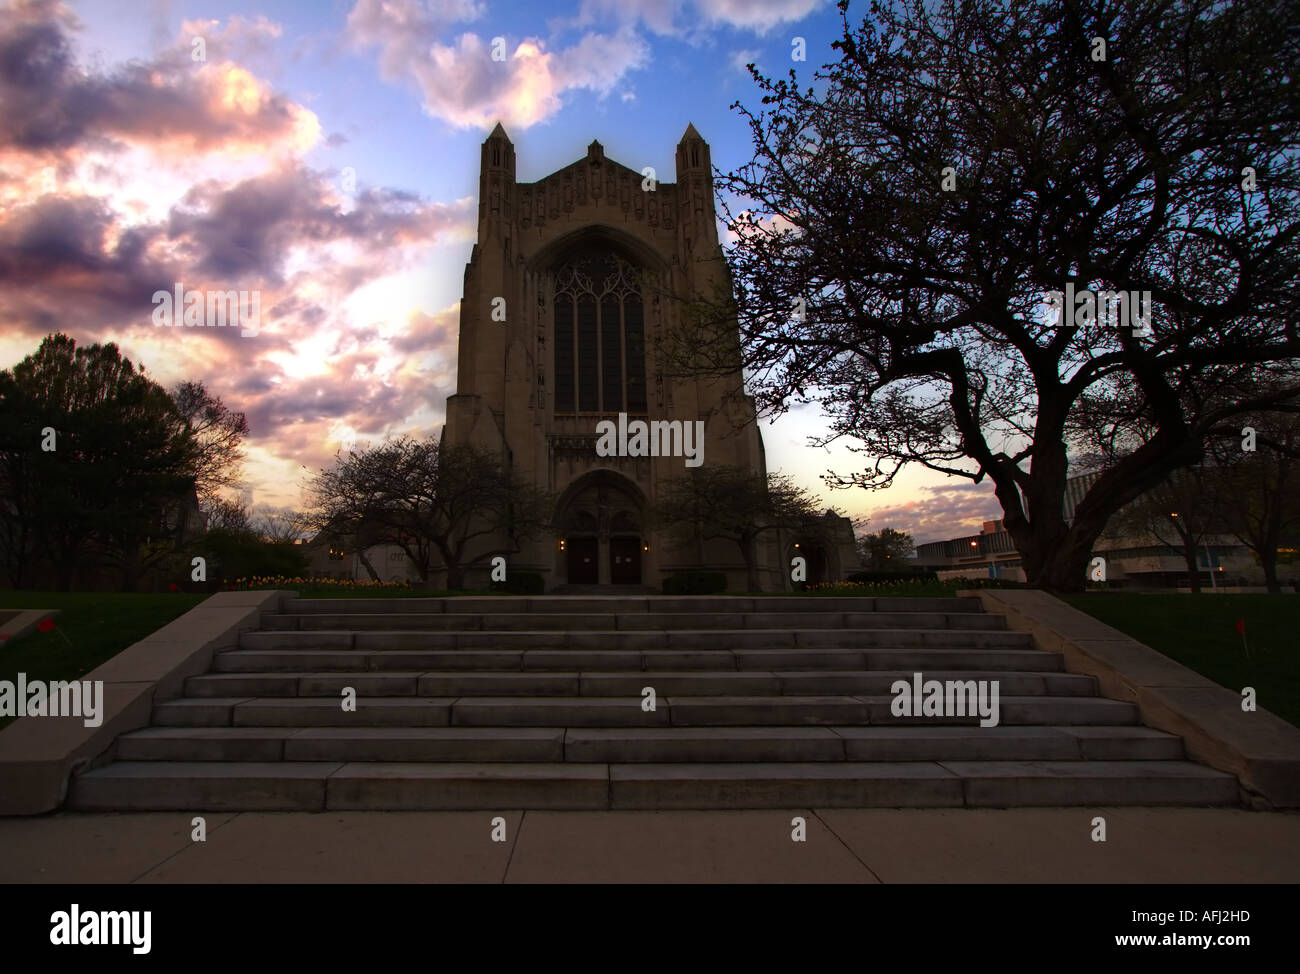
(1133, 559)
(990, 553)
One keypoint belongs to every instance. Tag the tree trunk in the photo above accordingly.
(1055, 555)
(1268, 562)
(370, 569)
(20, 555)
(17, 561)
(751, 565)
(1268, 550)
(1064, 569)
(131, 568)
(1193, 570)
(1057, 562)
(1034, 518)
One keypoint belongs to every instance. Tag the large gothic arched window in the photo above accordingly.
(599, 336)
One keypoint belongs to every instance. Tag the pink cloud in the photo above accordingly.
(942, 512)
(462, 83)
(52, 105)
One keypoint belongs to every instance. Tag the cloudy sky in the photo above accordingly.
(326, 155)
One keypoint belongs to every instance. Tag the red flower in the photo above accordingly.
(173, 587)
(45, 625)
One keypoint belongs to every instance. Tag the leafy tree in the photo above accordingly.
(215, 434)
(426, 499)
(234, 553)
(122, 458)
(22, 470)
(886, 549)
(907, 216)
(739, 505)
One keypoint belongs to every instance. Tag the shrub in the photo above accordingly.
(909, 587)
(313, 586)
(521, 583)
(917, 574)
(695, 583)
(236, 554)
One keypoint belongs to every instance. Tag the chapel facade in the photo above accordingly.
(572, 289)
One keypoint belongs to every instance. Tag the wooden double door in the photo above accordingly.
(583, 555)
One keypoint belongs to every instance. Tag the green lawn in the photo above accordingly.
(919, 588)
(307, 592)
(91, 628)
(1198, 631)
(326, 588)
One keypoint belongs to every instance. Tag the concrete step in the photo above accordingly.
(220, 786)
(328, 785)
(511, 744)
(1004, 784)
(905, 784)
(584, 604)
(336, 660)
(590, 683)
(303, 712)
(648, 744)
(1027, 742)
(876, 711)
(622, 622)
(297, 660)
(474, 660)
(528, 702)
(881, 682)
(909, 660)
(839, 743)
(625, 711)
(613, 711)
(733, 639)
(203, 744)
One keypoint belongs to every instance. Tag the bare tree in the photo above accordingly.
(225, 515)
(1260, 487)
(281, 526)
(738, 505)
(218, 433)
(430, 500)
(1181, 513)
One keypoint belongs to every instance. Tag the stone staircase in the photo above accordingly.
(536, 702)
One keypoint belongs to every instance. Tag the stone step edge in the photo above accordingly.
(1259, 747)
(323, 786)
(943, 676)
(826, 743)
(580, 701)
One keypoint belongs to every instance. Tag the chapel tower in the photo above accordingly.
(587, 266)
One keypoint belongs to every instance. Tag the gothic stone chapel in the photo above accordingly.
(586, 260)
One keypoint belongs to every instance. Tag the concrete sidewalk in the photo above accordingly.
(1045, 845)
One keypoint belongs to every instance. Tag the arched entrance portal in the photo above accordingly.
(816, 560)
(601, 539)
